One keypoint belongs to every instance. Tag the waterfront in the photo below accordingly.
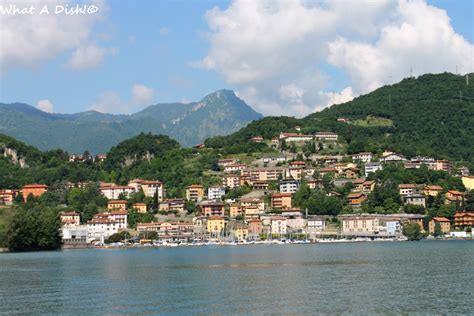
(355, 278)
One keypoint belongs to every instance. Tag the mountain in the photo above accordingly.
(219, 113)
(431, 115)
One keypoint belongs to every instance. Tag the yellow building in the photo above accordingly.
(444, 223)
(432, 190)
(140, 207)
(468, 182)
(235, 210)
(215, 225)
(117, 205)
(241, 232)
(195, 192)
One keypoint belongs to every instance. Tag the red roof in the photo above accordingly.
(35, 186)
(440, 219)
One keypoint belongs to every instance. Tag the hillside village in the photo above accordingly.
(291, 192)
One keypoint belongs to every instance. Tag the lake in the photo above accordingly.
(353, 278)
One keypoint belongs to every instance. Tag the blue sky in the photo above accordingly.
(136, 53)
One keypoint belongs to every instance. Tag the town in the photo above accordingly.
(264, 200)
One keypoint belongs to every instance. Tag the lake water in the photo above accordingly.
(352, 278)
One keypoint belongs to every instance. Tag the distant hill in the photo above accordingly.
(219, 113)
(430, 115)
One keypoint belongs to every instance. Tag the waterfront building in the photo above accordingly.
(443, 222)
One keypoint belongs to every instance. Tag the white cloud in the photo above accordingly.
(271, 51)
(142, 94)
(345, 95)
(45, 105)
(89, 56)
(164, 31)
(27, 40)
(111, 102)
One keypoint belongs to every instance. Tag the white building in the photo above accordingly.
(315, 224)
(215, 192)
(328, 136)
(392, 157)
(149, 187)
(289, 186)
(372, 167)
(103, 225)
(279, 225)
(237, 167)
(362, 157)
(113, 192)
(295, 137)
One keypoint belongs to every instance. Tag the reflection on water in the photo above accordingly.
(363, 278)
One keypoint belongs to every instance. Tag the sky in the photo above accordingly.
(283, 57)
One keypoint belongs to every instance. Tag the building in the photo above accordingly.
(372, 167)
(257, 139)
(365, 225)
(432, 190)
(232, 168)
(235, 210)
(215, 192)
(140, 207)
(468, 182)
(215, 225)
(289, 186)
(117, 205)
(406, 189)
(281, 200)
(443, 222)
(254, 228)
(362, 157)
(327, 136)
(7, 196)
(278, 225)
(172, 205)
(168, 231)
(70, 218)
(149, 187)
(392, 157)
(36, 190)
(264, 174)
(231, 181)
(356, 199)
(295, 137)
(210, 208)
(103, 225)
(453, 196)
(463, 220)
(415, 199)
(74, 236)
(443, 165)
(195, 192)
(113, 192)
(225, 162)
(315, 225)
(240, 231)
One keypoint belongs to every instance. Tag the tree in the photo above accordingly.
(412, 231)
(118, 237)
(469, 201)
(437, 230)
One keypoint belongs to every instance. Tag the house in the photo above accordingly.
(406, 189)
(168, 231)
(172, 205)
(149, 187)
(113, 192)
(260, 185)
(215, 225)
(343, 120)
(289, 186)
(453, 196)
(236, 167)
(415, 199)
(275, 142)
(464, 219)
(324, 171)
(251, 212)
(327, 136)
(231, 180)
(281, 200)
(240, 231)
(257, 139)
(295, 137)
(350, 173)
(215, 192)
(368, 186)
(315, 184)
(117, 205)
(254, 228)
(365, 225)
(356, 199)
(328, 160)
(392, 157)
(251, 201)
(195, 192)
(334, 194)
(468, 182)
(199, 146)
(278, 225)
(7, 196)
(372, 167)
(36, 190)
(70, 218)
(362, 157)
(235, 210)
(443, 222)
(225, 162)
(463, 171)
(264, 174)
(103, 225)
(268, 159)
(315, 225)
(140, 207)
(210, 208)
(443, 165)
(432, 190)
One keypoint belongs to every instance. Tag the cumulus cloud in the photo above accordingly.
(27, 40)
(272, 51)
(111, 102)
(45, 105)
(89, 56)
